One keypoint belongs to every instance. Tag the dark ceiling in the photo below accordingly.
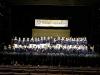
(52, 2)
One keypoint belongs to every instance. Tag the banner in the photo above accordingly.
(51, 23)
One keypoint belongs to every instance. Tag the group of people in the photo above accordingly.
(50, 45)
(48, 51)
(51, 40)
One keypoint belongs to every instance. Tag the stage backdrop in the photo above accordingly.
(51, 32)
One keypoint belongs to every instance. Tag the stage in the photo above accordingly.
(47, 70)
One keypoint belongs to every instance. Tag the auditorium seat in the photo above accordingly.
(6, 73)
(21, 73)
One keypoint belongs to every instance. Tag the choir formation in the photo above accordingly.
(51, 45)
(49, 51)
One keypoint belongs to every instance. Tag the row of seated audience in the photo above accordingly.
(50, 45)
